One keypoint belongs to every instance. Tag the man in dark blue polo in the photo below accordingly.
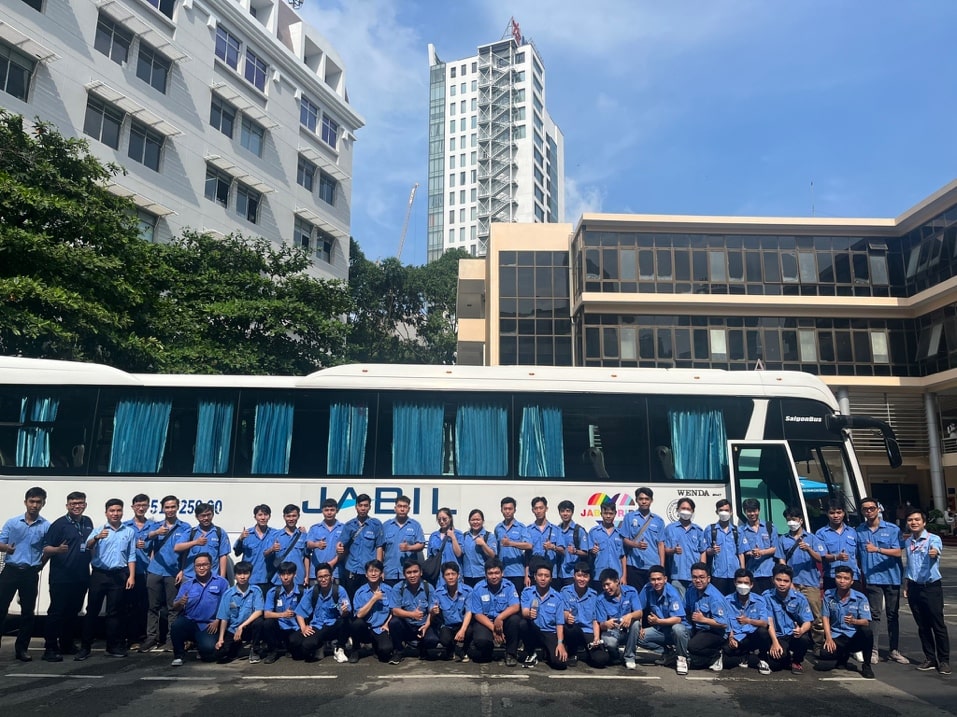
(495, 608)
(198, 605)
(21, 540)
(279, 611)
(65, 547)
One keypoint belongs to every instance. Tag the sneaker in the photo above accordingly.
(158, 647)
(395, 659)
(867, 672)
(147, 646)
(896, 656)
(177, 662)
(944, 668)
(511, 660)
(875, 656)
(530, 661)
(572, 661)
(858, 657)
(353, 656)
(82, 654)
(718, 664)
(927, 665)
(23, 655)
(254, 657)
(681, 665)
(52, 656)
(116, 653)
(764, 668)
(340, 655)
(797, 669)
(270, 658)
(466, 658)
(630, 663)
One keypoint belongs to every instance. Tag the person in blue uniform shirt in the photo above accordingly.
(758, 545)
(548, 545)
(259, 545)
(543, 624)
(720, 545)
(360, 541)
(513, 540)
(847, 624)
(495, 608)
(411, 623)
(840, 546)
(321, 542)
(706, 610)
(21, 541)
(616, 610)
(680, 546)
(65, 546)
(198, 605)
(607, 546)
(113, 551)
(641, 532)
(879, 555)
(662, 621)
(575, 539)
(204, 537)
(163, 574)
(240, 616)
(791, 619)
(323, 616)
(924, 592)
(447, 538)
(292, 543)
(137, 602)
(802, 551)
(581, 624)
(279, 614)
(451, 611)
(748, 623)
(373, 613)
(478, 545)
(402, 538)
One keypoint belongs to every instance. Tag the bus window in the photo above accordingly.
(45, 429)
(264, 433)
(825, 476)
(764, 471)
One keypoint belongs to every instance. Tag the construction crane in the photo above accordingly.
(405, 224)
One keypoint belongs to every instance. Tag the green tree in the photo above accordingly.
(437, 285)
(66, 246)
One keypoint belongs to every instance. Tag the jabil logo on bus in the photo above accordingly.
(592, 508)
(383, 499)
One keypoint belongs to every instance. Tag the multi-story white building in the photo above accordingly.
(495, 155)
(228, 115)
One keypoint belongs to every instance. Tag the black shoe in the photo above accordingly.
(270, 658)
(52, 656)
(82, 654)
(867, 672)
(68, 649)
(944, 668)
(511, 660)
(23, 656)
(572, 660)
(354, 655)
(117, 653)
(148, 645)
(927, 665)
(395, 658)
(312, 657)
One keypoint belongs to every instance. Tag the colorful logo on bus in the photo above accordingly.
(623, 502)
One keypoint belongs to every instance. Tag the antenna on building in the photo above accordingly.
(405, 224)
(296, 4)
(812, 197)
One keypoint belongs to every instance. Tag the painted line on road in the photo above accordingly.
(458, 677)
(740, 679)
(289, 677)
(178, 679)
(847, 678)
(602, 677)
(59, 677)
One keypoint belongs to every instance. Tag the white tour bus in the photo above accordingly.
(447, 436)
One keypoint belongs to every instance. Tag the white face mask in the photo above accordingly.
(743, 589)
(685, 514)
(793, 525)
(724, 515)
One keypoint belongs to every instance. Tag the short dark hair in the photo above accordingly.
(203, 555)
(701, 566)
(609, 504)
(868, 499)
(287, 566)
(140, 498)
(493, 563)
(566, 505)
(375, 564)
(35, 492)
(793, 511)
(915, 509)
(291, 508)
(657, 569)
(751, 504)
(844, 569)
(836, 504)
(204, 508)
(76, 495)
(743, 573)
(262, 508)
(476, 511)
(323, 566)
(506, 499)
(411, 563)
(608, 574)
(583, 566)
(113, 501)
(167, 499)
(721, 503)
(686, 500)
(404, 499)
(644, 490)
(539, 499)
(243, 566)
(363, 498)
(782, 568)
(330, 503)
(542, 565)
(451, 565)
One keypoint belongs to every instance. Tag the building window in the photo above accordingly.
(112, 40)
(879, 350)
(807, 346)
(929, 342)
(305, 173)
(302, 234)
(308, 114)
(152, 67)
(35, 4)
(247, 203)
(519, 58)
(222, 116)
(255, 70)
(217, 186)
(251, 137)
(452, 72)
(327, 189)
(164, 6)
(16, 71)
(330, 131)
(146, 224)
(145, 145)
(103, 122)
(518, 132)
(452, 92)
(227, 47)
(324, 244)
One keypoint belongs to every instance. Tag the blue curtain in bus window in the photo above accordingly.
(348, 427)
(481, 441)
(272, 438)
(33, 442)
(541, 447)
(417, 439)
(139, 436)
(213, 433)
(698, 444)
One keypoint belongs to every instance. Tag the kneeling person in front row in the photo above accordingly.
(373, 614)
(791, 619)
(322, 615)
(240, 616)
(197, 603)
(451, 611)
(495, 607)
(412, 612)
(543, 626)
(748, 622)
(279, 611)
(615, 610)
(662, 621)
(847, 624)
(581, 627)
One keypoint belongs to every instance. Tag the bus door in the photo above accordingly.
(765, 470)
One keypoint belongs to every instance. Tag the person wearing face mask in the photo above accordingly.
(802, 551)
(748, 621)
(680, 546)
(721, 547)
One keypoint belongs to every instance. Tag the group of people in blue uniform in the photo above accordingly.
(622, 591)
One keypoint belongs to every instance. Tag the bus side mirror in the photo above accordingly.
(893, 452)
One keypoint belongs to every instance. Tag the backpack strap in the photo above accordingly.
(184, 556)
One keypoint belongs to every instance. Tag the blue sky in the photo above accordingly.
(672, 107)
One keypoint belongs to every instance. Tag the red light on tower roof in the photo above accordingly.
(516, 32)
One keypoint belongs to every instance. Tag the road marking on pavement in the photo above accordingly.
(59, 677)
(524, 676)
(290, 677)
(740, 679)
(178, 679)
(603, 677)
(845, 678)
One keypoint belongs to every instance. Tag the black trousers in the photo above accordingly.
(404, 632)
(862, 640)
(637, 578)
(483, 641)
(24, 582)
(105, 586)
(231, 645)
(136, 604)
(277, 638)
(795, 650)
(308, 647)
(352, 582)
(704, 648)
(577, 640)
(927, 606)
(759, 640)
(381, 642)
(447, 635)
(63, 615)
(533, 637)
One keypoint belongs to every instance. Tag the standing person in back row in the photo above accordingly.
(66, 549)
(360, 542)
(137, 598)
(259, 546)
(759, 543)
(163, 574)
(721, 546)
(402, 538)
(21, 541)
(840, 546)
(641, 530)
(513, 541)
(924, 592)
(680, 546)
(204, 538)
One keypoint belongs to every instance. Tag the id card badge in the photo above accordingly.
(82, 546)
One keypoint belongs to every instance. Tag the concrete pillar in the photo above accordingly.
(936, 469)
(844, 401)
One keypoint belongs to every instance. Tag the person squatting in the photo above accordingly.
(678, 595)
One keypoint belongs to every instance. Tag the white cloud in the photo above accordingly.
(581, 199)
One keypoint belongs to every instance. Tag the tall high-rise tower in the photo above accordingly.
(495, 155)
